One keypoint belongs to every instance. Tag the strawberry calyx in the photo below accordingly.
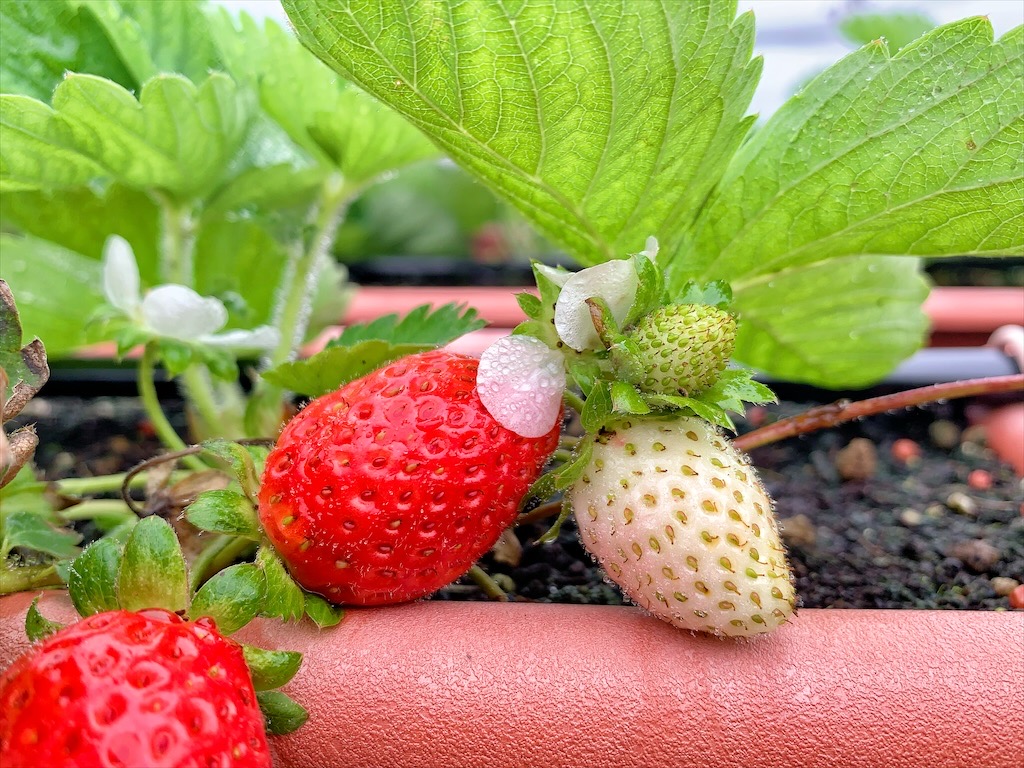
(144, 568)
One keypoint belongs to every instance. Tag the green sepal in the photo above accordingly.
(585, 373)
(221, 362)
(708, 411)
(321, 612)
(551, 534)
(649, 290)
(176, 356)
(224, 512)
(129, 337)
(242, 465)
(152, 573)
(560, 478)
(232, 597)
(285, 600)
(736, 387)
(424, 325)
(270, 669)
(37, 626)
(598, 407)
(604, 322)
(541, 310)
(281, 713)
(626, 399)
(716, 293)
(92, 577)
(530, 304)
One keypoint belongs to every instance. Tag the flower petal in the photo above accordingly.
(120, 275)
(651, 248)
(263, 337)
(520, 382)
(178, 312)
(614, 281)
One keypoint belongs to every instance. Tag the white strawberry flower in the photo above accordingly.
(173, 311)
(520, 382)
(614, 281)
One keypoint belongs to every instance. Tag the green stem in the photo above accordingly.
(87, 510)
(27, 577)
(177, 242)
(90, 486)
(293, 307)
(574, 401)
(150, 402)
(293, 304)
(489, 586)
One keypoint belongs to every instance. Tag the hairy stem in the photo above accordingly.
(177, 242)
(489, 586)
(293, 303)
(87, 510)
(151, 404)
(830, 415)
(574, 401)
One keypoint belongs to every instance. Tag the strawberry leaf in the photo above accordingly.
(285, 600)
(281, 713)
(333, 367)
(152, 573)
(232, 597)
(321, 612)
(29, 530)
(603, 122)
(224, 512)
(37, 626)
(93, 575)
(25, 366)
(419, 326)
(270, 669)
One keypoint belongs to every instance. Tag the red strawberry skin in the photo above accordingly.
(124, 689)
(394, 485)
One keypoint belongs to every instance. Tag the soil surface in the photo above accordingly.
(944, 529)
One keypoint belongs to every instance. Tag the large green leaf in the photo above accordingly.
(81, 219)
(330, 119)
(41, 41)
(57, 290)
(36, 149)
(177, 137)
(155, 36)
(919, 153)
(603, 122)
(841, 323)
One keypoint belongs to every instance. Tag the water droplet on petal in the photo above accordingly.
(520, 382)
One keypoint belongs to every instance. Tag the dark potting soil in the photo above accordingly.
(915, 533)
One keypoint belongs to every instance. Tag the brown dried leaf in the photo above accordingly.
(508, 549)
(15, 452)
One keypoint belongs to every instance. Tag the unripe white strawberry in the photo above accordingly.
(679, 520)
(683, 349)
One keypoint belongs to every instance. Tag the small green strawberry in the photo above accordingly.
(680, 349)
(678, 519)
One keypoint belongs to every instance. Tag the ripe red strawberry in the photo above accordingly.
(678, 519)
(125, 689)
(393, 486)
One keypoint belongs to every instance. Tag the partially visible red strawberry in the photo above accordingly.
(124, 689)
(393, 486)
